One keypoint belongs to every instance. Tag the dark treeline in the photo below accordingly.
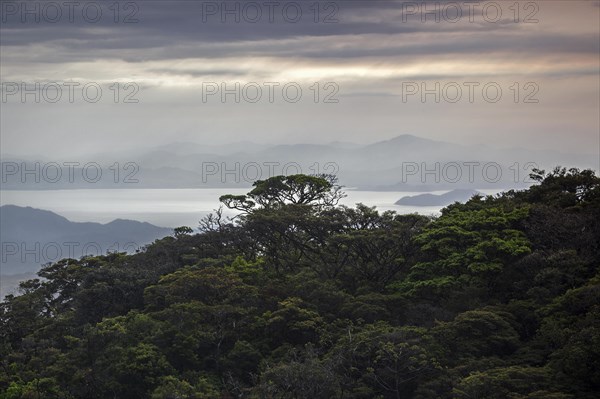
(298, 297)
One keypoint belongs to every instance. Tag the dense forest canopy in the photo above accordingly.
(298, 297)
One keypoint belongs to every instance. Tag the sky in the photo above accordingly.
(503, 74)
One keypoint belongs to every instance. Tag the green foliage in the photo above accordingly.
(468, 247)
(276, 191)
(173, 388)
(179, 232)
(501, 383)
(300, 298)
(477, 333)
(303, 376)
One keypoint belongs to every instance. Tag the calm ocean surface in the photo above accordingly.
(169, 207)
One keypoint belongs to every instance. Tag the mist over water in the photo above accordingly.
(174, 207)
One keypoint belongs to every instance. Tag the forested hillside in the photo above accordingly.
(301, 298)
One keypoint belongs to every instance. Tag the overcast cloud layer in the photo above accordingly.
(370, 53)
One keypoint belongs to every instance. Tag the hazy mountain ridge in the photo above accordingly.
(403, 163)
(31, 237)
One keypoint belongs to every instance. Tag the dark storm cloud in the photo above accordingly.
(171, 23)
(165, 22)
(179, 30)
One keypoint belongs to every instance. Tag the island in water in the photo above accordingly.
(429, 199)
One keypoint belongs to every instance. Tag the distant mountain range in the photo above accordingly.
(31, 237)
(403, 163)
(445, 199)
